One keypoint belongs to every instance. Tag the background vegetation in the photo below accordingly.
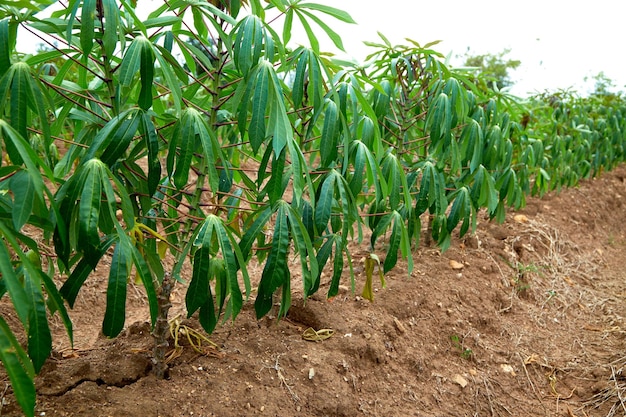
(197, 137)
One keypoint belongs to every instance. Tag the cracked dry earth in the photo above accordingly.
(521, 319)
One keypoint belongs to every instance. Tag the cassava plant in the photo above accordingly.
(575, 137)
(197, 137)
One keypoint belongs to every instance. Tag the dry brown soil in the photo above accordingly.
(527, 321)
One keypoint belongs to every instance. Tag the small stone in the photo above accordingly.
(311, 373)
(456, 265)
(399, 326)
(460, 380)
(507, 369)
(520, 218)
(343, 289)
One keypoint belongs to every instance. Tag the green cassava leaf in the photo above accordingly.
(70, 288)
(257, 129)
(254, 230)
(206, 315)
(460, 210)
(169, 67)
(333, 288)
(323, 208)
(330, 134)
(19, 74)
(19, 368)
(248, 43)
(391, 172)
(276, 185)
(120, 139)
(211, 148)
(89, 208)
(488, 194)
(198, 290)
(146, 70)
(87, 23)
(39, 337)
(149, 133)
(287, 25)
(16, 291)
(440, 119)
(233, 260)
(322, 256)
(334, 36)
(304, 248)
(118, 129)
(276, 270)
(115, 314)
(5, 47)
(315, 45)
(111, 29)
(285, 299)
(182, 148)
(331, 11)
(131, 61)
(301, 74)
(394, 242)
(55, 303)
(23, 188)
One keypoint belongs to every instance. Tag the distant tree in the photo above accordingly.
(603, 85)
(492, 68)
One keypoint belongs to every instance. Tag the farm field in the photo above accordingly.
(524, 318)
(201, 216)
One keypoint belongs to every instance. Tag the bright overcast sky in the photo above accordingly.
(559, 42)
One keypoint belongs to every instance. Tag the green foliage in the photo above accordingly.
(573, 137)
(492, 69)
(603, 85)
(198, 138)
(464, 352)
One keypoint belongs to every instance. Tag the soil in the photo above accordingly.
(525, 318)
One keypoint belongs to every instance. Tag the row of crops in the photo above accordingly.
(197, 138)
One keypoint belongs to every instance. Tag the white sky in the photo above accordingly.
(559, 42)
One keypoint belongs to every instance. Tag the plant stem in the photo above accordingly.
(161, 328)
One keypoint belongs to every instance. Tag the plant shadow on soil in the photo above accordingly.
(521, 319)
